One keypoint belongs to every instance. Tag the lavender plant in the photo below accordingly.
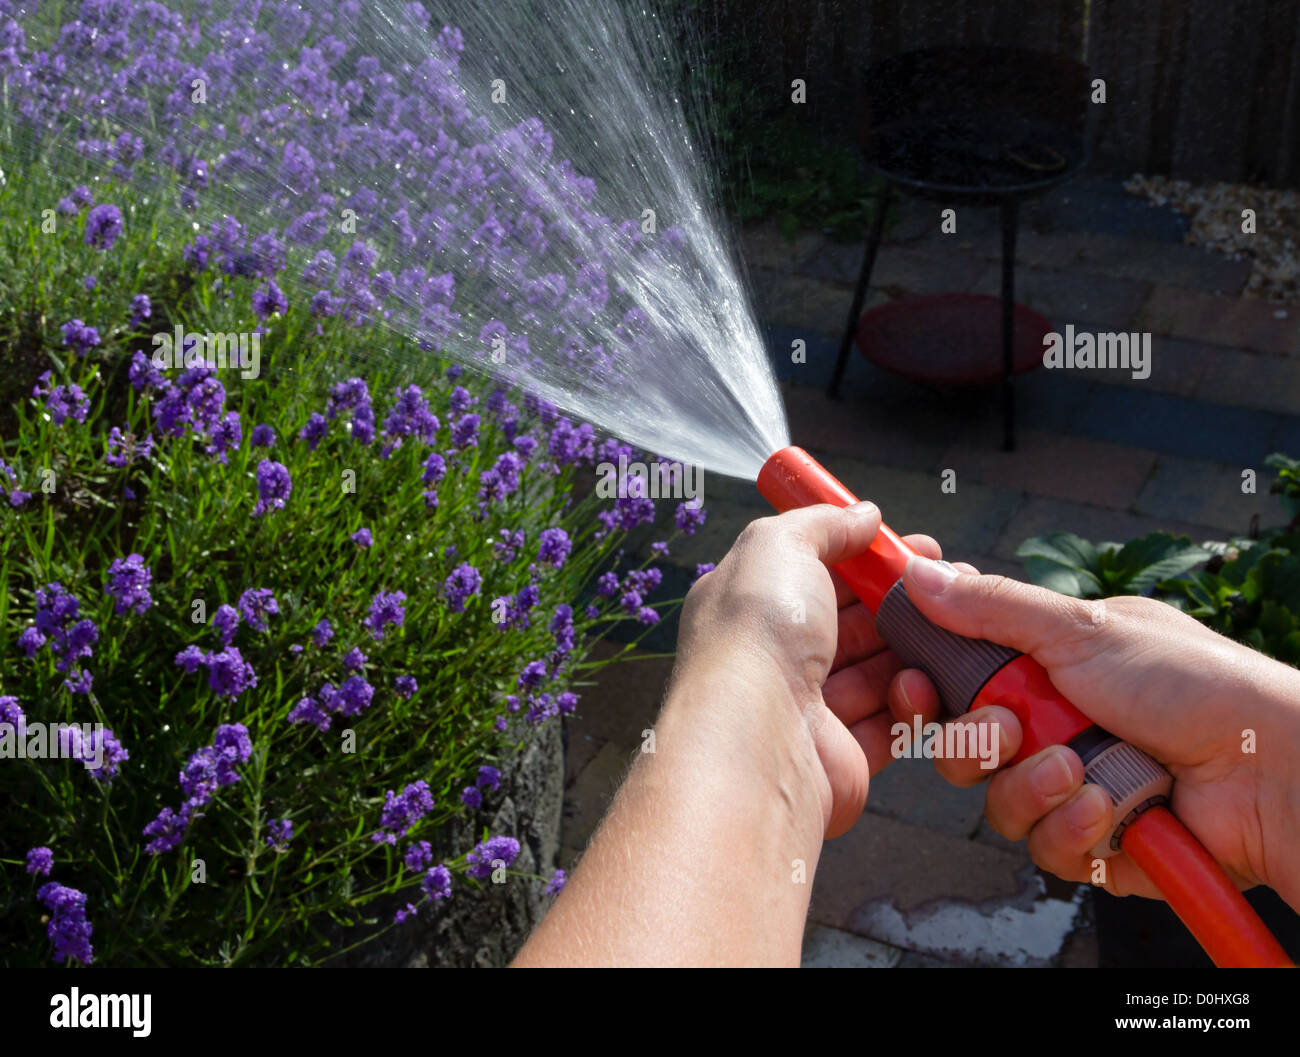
(311, 605)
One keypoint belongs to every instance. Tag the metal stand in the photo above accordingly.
(1009, 207)
(860, 294)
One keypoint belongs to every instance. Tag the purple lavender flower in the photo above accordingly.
(418, 856)
(103, 226)
(437, 883)
(488, 777)
(556, 884)
(256, 604)
(362, 538)
(229, 675)
(40, 861)
(269, 300)
(11, 714)
(406, 686)
(480, 861)
(103, 750)
(464, 431)
(704, 567)
(143, 374)
(309, 710)
(122, 449)
(689, 517)
(322, 632)
(67, 401)
(263, 436)
(314, 430)
(225, 620)
(167, 830)
(510, 543)
(353, 696)
(128, 583)
(387, 607)
(273, 486)
(68, 928)
(141, 309)
(532, 675)
(191, 658)
(554, 547)
(463, 582)
(280, 833)
(402, 811)
(30, 640)
(471, 797)
(435, 467)
(354, 660)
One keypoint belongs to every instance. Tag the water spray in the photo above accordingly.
(972, 673)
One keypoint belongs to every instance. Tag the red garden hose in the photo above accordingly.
(972, 673)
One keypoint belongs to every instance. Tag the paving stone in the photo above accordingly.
(1245, 379)
(912, 791)
(857, 427)
(913, 960)
(990, 564)
(1146, 260)
(966, 522)
(1209, 493)
(1081, 299)
(1081, 951)
(587, 799)
(623, 701)
(827, 948)
(1094, 202)
(1174, 425)
(1054, 464)
(1234, 321)
(795, 301)
(1177, 367)
(985, 834)
(763, 246)
(1040, 516)
(915, 888)
(934, 267)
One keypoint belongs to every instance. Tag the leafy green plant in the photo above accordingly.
(1247, 589)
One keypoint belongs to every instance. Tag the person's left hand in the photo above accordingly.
(774, 614)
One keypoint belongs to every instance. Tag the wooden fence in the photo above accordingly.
(1197, 89)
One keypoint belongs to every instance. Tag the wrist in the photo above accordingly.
(1274, 731)
(749, 729)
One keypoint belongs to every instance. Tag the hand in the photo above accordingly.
(1153, 676)
(773, 616)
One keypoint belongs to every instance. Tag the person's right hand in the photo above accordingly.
(1153, 676)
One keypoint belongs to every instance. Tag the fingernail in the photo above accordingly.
(1052, 776)
(1087, 809)
(930, 577)
(866, 506)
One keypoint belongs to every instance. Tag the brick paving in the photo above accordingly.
(921, 880)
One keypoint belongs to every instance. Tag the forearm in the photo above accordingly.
(707, 855)
(1276, 728)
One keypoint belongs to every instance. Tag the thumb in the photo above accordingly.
(1026, 618)
(834, 533)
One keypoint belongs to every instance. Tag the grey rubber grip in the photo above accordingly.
(959, 667)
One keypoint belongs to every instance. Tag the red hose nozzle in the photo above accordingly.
(792, 478)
